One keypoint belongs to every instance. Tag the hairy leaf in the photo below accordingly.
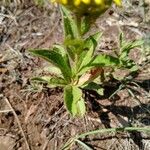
(95, 87)
(73, 102)
(56, 59)
(103, 60)
(81, 109)
(89, 49)
(70, 26)
(85, 25)
(61, 50)
(74, 45)
(53, 70)
(57, 81)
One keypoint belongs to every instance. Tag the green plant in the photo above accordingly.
(125, 48)
(75, 64)
(126, 63)
(78, 138)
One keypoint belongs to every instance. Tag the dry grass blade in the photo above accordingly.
(5, 111)
(18, 122)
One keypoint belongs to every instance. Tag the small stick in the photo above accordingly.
(19, 124)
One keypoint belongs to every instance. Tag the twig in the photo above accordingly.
(19, 124)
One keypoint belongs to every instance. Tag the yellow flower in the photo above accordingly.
(78, 2)
(88, 7)
(118, 2)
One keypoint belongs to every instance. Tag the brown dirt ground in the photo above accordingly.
(41, 113)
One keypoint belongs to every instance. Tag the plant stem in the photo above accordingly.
(114, 130)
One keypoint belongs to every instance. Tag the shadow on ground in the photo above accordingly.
(138, 113)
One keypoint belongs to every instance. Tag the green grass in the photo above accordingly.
(77, 139)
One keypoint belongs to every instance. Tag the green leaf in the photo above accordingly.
(57, 81)
(134, 68)
(85, 69)
(73, 100)
(104, 60)
(121, 39)
(85, 25)
(128, 46)
(129, 64)
(95, 87)
(89, 49)
(74, 45)
(92, 41)
(59, 49)
(81, 109)
(70, 26)
(53, 70)
(56, 59)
